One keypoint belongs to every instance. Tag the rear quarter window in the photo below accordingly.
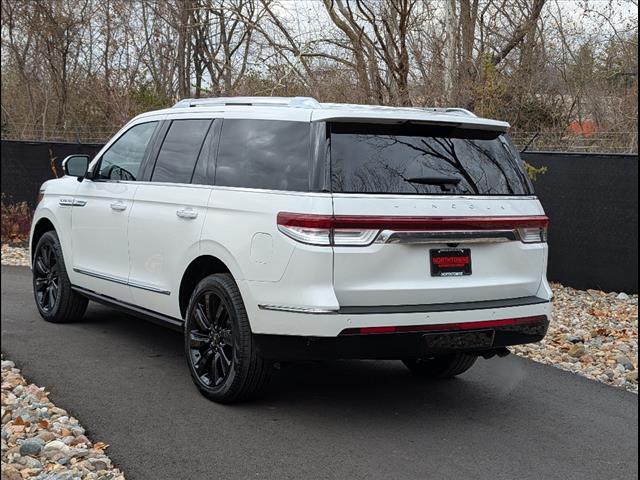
(268, 154)
(423, 159)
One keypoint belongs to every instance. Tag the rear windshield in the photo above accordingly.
(424, 159)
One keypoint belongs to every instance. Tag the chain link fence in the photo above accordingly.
(563, 141)
(552, 141)
(39, 133)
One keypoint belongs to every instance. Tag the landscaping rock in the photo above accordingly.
(31, 446)
(577, 350)
(16, 256)
(594, 334)
(52, 448)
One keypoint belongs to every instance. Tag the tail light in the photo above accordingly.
(311, 229)
(532, 234)
(324, 230)
(353, 230)
(534, 230)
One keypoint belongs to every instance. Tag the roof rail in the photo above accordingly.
(294, 102)
(462, 111)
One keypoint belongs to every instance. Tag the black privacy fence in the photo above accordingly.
(591, 200)
(26, 165)
(592, 204)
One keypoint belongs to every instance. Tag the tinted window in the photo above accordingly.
(412, 159)
(179, 152)
(264, 154)
(122, 160)
(203, 173)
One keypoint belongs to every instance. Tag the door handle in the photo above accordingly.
(188, 213)
(118, 206)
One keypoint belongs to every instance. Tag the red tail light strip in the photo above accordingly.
(409, 223)
(447, 327)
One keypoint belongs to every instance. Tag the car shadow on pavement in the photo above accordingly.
(362, 387)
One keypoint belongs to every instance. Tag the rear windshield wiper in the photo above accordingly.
(443, 182)
(434, 180)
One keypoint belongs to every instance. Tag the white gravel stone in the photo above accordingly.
(593, 334)
(16, 256)
(24, 431)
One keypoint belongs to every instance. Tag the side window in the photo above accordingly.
(180, 150)
(204, 170)
(268, 154)
(122, 160)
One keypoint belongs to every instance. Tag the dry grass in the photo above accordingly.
(15, 222)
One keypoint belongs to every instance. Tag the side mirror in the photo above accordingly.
(76, 166)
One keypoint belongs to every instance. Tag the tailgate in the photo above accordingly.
(396, 268)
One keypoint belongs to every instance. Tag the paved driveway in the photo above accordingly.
(127, 382)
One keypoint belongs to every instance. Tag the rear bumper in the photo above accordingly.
(323, 324)
(431, 340)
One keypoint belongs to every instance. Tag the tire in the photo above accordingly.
(446, 366)
(221, 354)
(56, 301)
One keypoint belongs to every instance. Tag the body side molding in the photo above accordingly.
(122, 281)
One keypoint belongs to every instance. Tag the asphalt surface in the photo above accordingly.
(127, 382)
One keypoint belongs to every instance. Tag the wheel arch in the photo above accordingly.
(42, 226)
(199, 268)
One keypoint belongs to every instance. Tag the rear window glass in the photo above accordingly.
(270, 154)
(422, 159)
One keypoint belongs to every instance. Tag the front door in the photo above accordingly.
(100, 215)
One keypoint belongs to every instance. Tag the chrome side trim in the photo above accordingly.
(267, 190)
(122, 281)
(101, 276)
(470, 236)
(288, 308)
(219, 187)
(146, 286)
(79, 203)
(451, 198)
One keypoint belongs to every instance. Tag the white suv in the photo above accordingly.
(274, 229)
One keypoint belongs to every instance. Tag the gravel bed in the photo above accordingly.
(17, 256)
(43, 442)
(594, 334)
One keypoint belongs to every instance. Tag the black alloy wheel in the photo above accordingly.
(46, 277)
(55, 298)
(223, 359)
(211, 343)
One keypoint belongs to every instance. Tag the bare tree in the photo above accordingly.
(80, 68)
(378, 34)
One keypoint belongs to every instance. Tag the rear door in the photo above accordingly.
(168, 213)
(449, 209)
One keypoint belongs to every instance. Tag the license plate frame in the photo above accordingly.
(450, 262)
